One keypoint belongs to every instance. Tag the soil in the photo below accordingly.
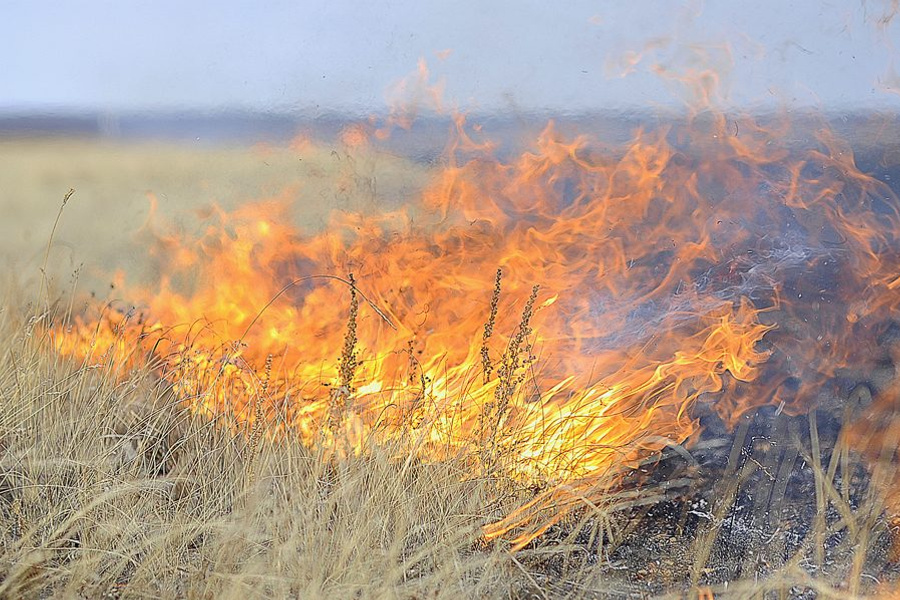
(748, 515)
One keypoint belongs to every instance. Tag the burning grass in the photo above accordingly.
(263, 420)
(701, 263)
(110, 487)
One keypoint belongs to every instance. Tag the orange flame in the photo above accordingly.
(705, 262)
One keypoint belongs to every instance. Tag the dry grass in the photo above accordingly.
(113, 181)
(110, 488)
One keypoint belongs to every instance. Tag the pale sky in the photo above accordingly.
(505, 54)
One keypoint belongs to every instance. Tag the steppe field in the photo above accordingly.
(110, 487)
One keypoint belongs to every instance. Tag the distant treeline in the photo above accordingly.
(426, 140)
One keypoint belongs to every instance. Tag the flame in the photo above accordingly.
(709, 261)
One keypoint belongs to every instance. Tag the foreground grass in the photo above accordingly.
(108, 488)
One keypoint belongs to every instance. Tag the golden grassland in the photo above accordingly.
(110, 488)
(115, 181)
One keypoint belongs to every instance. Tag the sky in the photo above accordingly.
(489, 55)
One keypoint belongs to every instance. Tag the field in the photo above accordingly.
(111, 488)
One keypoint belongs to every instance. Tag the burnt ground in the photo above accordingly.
(744, 510)
(741, 509)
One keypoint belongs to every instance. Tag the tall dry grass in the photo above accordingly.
(109, 487)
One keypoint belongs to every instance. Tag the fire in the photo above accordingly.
(558, 313)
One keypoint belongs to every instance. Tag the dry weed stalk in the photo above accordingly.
(415, 415)
(510, 375)
(486, 364)
(258, 421)
(44, 286)
(348, 362)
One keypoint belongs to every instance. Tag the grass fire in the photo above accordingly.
(589, 305)
(509, 383)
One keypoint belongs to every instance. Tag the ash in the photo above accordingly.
(748, 519)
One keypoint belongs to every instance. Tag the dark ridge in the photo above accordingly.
(874, 136)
